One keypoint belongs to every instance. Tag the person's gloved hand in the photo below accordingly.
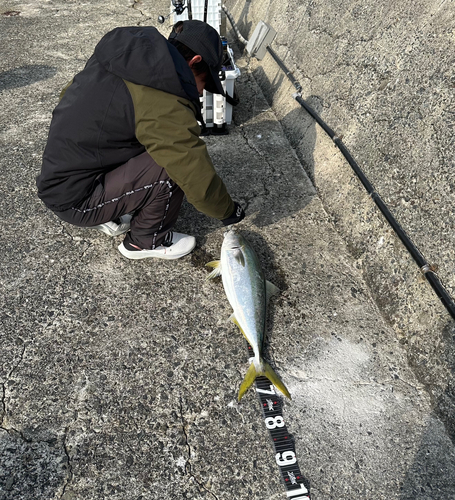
(237, 215)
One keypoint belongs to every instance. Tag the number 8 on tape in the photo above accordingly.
(273, 422)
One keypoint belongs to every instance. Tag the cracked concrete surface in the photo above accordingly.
(119, 379)
(186, 463)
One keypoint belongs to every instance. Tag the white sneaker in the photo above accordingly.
(177, 245)
(113, 228)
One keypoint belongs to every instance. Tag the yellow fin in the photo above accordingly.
(216, 264)
(267, 371)
(275, 379)
(270, 290)
(250, 377)
(234, 320)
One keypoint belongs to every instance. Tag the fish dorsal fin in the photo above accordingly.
(216, 264)
(239, 257)
(270, 290)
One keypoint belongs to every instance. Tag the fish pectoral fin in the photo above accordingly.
(236, 323)
(250, 377)
(270, 290)
(270, 373)
(239, 257)
(216, 264)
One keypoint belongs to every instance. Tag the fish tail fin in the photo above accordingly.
(250, 377)
(270, 373)
(267, 371)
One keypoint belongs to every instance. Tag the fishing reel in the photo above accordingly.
(179, 7)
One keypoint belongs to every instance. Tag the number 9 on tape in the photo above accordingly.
(285, 458)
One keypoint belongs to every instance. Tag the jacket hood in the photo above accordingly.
(143, 56)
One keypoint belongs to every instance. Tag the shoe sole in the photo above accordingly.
(107, 231)
(140, 255)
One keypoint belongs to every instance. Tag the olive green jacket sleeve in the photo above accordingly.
(167, 127)
(65, 88)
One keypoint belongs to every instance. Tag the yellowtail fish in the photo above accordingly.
(248, 292)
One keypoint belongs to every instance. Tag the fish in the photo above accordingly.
(248, 292)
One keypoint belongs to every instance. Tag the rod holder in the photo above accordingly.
(262, 37)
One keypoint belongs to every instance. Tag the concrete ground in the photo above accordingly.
(119, 378)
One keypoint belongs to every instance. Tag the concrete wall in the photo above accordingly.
(380, 73)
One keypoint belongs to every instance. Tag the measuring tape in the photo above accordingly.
(298, 487)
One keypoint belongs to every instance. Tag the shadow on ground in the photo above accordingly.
(298, 125)
(25, 75)
(31, 469)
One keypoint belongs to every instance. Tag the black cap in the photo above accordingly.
(203, 40)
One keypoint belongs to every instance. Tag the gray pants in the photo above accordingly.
(139, 186)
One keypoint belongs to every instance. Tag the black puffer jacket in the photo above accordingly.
(136, 93)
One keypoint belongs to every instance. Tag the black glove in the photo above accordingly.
(237, 215)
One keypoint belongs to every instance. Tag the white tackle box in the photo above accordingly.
(216, 111)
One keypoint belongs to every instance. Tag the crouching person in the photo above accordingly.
(124, 146)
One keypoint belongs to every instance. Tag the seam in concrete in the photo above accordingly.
(3, 405)
(69, 475)
(135, 6)
(75, 238)
(188, 467)
(12, 430)
(8, 376)
(65, 229)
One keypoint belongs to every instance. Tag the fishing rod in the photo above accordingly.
(427, 270)
(256, 46)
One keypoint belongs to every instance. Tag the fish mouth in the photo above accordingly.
(230, 230)
(232, 240)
